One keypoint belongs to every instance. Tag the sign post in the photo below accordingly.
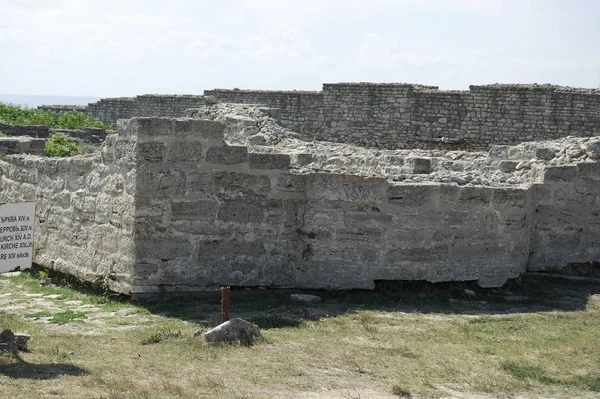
(16, 236)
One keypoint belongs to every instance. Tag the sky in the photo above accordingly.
(110, 48)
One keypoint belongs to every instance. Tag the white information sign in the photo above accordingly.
(16, 236)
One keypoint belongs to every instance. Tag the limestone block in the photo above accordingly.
(291, 182)
(227, 155)
(417, 254)
(163, 248)
(412, 195)
(185, 151)
(219, 252)
(194, 210)
(508, 166)
(234, 330)
(515, 221)
(589, 170)
(560, 173)
(350, 188)
(247, 210)
(159, 184)
(421, 165)
(199, 128)
(269, 161)
(509, 197)
(475, 195)
(545, 153)
(150, 152)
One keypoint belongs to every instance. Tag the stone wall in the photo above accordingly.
(169, 206)
(567, 217)
(109, 110)
(38, 131)
(22, 145)
(84, 212)
(63, 108)
(301, 111)
(413, 116)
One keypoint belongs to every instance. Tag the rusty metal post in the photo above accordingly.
(225, 301)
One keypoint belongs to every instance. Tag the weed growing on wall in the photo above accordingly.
(16, 115)
(59, 146)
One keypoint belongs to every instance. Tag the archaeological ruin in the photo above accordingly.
(335, 189)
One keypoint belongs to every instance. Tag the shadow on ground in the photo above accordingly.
(47, 371)
(274, 309)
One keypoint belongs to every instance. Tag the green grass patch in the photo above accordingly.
(37, 315)
(67, 317)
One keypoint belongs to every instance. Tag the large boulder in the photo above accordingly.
(234, 330)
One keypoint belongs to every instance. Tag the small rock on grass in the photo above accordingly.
(234, 330)
(21, 341)
(13, 342)
(305, 298)
(7, 342)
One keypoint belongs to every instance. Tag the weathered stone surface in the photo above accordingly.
(413, 195)
(167, 207)
(234, 330)
(194, 210)
(269, 161)
(560, 173)
(227, 155)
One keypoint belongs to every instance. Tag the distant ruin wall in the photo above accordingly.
(38, 131)
(168, 206)
(109, 110)
(412, 116)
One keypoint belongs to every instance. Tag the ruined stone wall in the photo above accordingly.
(84, 212)
(169, 206)
(22, 145)
(109, 110)
(39, 131)
(567, 217)
(300, 111)
(209, 214)
(412, 116)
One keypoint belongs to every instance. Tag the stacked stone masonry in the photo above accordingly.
(413, 116)
(109, 110)
(169, 206)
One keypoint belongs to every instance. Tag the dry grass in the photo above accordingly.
(370, 346)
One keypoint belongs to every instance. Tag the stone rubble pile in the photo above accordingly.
(256, 127)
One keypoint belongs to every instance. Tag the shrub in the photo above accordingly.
(59, 146)
(16, 115)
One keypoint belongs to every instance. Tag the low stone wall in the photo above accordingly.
(38, 131)
(22, 145)
(84, 214)
(170, 207)
(86, 135)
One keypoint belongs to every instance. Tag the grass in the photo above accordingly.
(360, 345)
(16, 115)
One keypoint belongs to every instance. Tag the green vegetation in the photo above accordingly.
(349, 345)
(59, 146)
(15, 115)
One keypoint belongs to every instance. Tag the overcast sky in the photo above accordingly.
(127, 47)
